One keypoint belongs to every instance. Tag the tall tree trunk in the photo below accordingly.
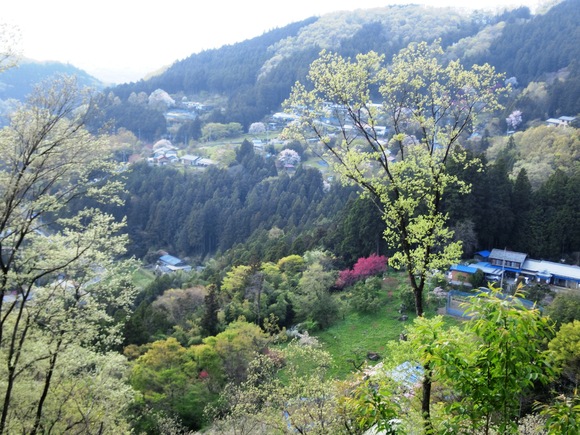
(418, 293)
(426, 400)
(46, 387)
(7, 396)
(427, 375)
(14, 349)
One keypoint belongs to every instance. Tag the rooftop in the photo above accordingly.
(502, 254)
(170, 260)
(546, 268)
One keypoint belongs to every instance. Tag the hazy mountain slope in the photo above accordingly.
(17, 82)
(543, 44)
(256, 75)
(216, 70)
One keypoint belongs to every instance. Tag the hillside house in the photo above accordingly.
(507, 260)
(556, 274)
(168, 263)
(258, 144)
(191, 160)
(460, 273)
(159, 160)
(164, 155)
(513, 265)
(561, 121)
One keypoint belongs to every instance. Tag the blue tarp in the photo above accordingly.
(408, 373)
(462, 268)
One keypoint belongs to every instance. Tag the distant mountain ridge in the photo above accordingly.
(19, 81)
(256, 75)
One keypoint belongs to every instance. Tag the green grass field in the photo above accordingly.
(351, 338)
(142, 277)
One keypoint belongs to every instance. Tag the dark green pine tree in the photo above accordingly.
(521, 209)
(245, 151)
(559, 200)
(494, 227)
(209, 321)
(360, 231)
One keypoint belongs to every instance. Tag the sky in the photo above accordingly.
(118, 41)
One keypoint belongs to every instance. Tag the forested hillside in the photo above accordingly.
(530, 47)
(200, 214)
(254, 210)
(256, 75)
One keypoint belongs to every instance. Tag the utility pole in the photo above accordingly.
(502, 270)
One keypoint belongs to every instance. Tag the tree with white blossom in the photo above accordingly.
(161, 100)
(63, 281)
(514, 120)
(288, 157)
(257, 128)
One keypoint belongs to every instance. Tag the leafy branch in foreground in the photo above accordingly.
(61, 279)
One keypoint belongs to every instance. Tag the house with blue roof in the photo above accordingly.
(460, 273)
(482, 255)
(510, 265)
(168, 263)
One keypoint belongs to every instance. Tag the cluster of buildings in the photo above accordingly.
(167, 155)
(503, 265)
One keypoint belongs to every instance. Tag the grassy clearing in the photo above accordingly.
(142, 277)
(350, 339)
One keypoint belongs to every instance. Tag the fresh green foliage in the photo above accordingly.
(312, 299)
(351, 338)
(376, 406)
(565, 307)
(566, 348)
(366, 295)
(563, 416)
(167, 377)
(305, 402)
(481, 371)
(64, 287)
(215, 131)
(506, 362)
(183, 380)
(477, 279)
(427, 104)
(541, 150)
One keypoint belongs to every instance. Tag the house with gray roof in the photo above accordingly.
(190, 160)
(168, 263)
(548, 272)
(508, 260)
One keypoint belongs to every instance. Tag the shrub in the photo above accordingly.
(364, 267)
(366, 295)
